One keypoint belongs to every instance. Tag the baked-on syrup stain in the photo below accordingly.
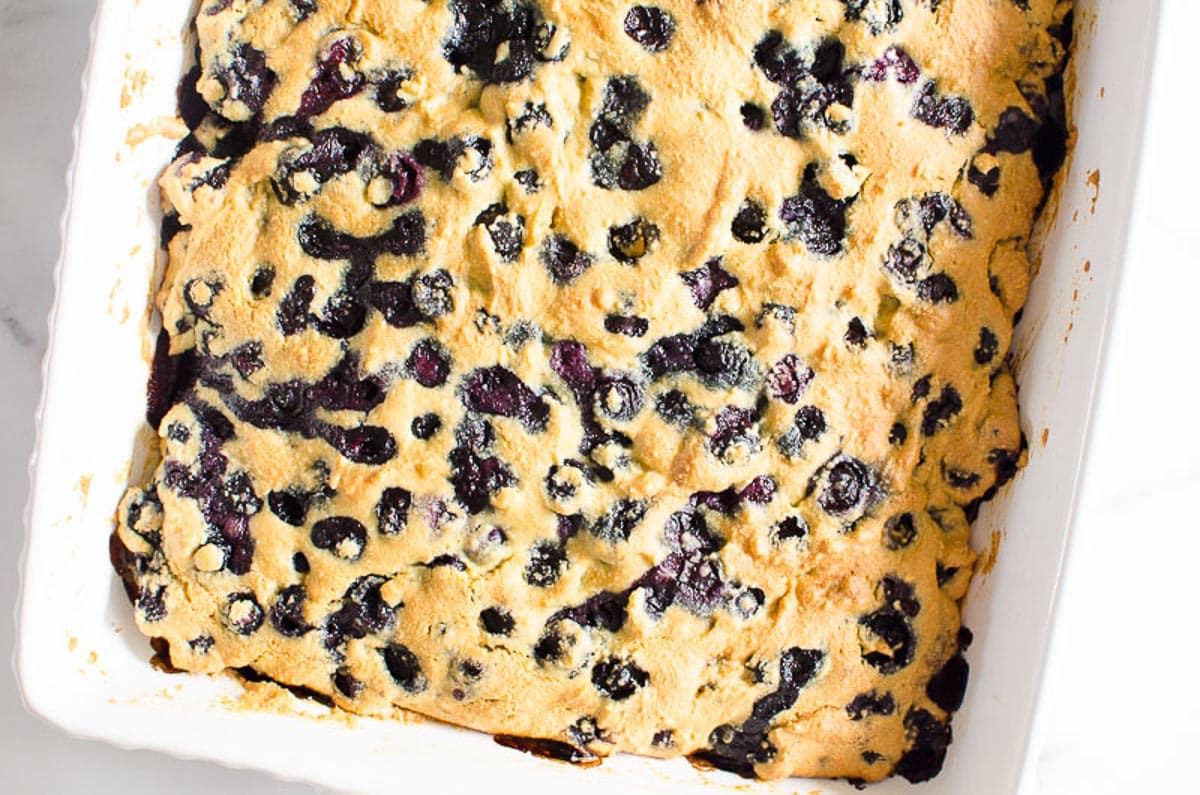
(549, 749)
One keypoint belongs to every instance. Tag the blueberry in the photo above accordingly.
(641, 168)
(734, 427)
(499, 391)
(426, 426)
(564, 260)
(341, 535)
(507, 235)
(760, 491)
(243, 614)
(906, 259)
(894, 62)
(931, 737)
(988, 347)
(618, 679)
(940, 412)
(778, 60)
(331, 83)
(395, 301)
(366, 444)
(664, 738)
(892, 646)
(631, 241)
(497, 621)
(619, 397)
(788, 378)
(432, 294)
(392, 510)
(619, 521)
(247, 78)
(899, 531)
(528, 179)
(428, 364)
(560, 487)
(290, 508)
(476, 478)
(362, 612)
(500, 43)
(872, 703)
(300, 563)
(948, 686)
(404, 176)
(753, 116)
(650, 27)
(856, 334)
(790, 527)
(151, 602)
(292, 315)
(404, 667)
(849, 485)
(346, 684)
(342, 390)
(748, 602)
(1016, 132)
(750, 223)
(898, 434)
(674, 407)
(287, 614)
(627, 325)
(988, 181)
(531, 117)
(546, 562)
(387, 91)
(952, 114)
(724, 365)
(707, 281)
(816, 218)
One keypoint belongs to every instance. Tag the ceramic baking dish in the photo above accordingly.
(84, 666)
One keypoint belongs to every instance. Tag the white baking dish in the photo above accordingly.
(84, 666)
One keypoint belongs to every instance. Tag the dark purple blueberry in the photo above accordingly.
(497, 621)
(641, 168)
(619, 521)
(959, 478)
(247, 78)
(474, 433)
(906, 259)
(672, 354)
(341, 535)
(627, 325)
(1016, 132)
(675, 408)
(392, 510)
(300, 563)
(988, 347)
(816, 218)
(343, 317)
(788, 379)
(664, 738)
(476, 478)
(528, 179)
(247, 358)
(564, 260)
(899, 531)
(750, 223)
(726, 501)
(940, 412)
(898, 435)
(618, 679)
(558, 486)
(500, 43)
(404, 667)
(760, 491)
(872, 703)
(202, 643)
(724, 365)
(810, 423)
(404, 176)
(507, 235)
(433, 294)
(342, 390)
(734, 427)
(320, 240)
(243, 614)
(292, 315)
(753, 116)
(619, 397)
(856, 333)
(948, 686)
(849, 485)
(894, 62)
(606, 610)
(428, 364)
(367, 444)
(405, 237)
(778, 60)
(395, 301)
(650, 27)
(631, 241)
(988, 181)
(440, 156)
(532, 116)
(287, 614)
(791, 527)
(151, 602)
(346, 684)
(388, 96)
(363, 612)
(290, 508)
(330, 83)
(893, 644)
(925, 757)
(426, 426)
(952, 114)
(569, 361)
(546, 562)
(499, 391)
(707, 281)
(921, 388)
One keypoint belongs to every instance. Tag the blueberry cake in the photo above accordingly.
(623, 378)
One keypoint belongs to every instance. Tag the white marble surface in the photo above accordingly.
(1117, 711)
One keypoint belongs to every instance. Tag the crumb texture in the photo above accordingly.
(620, 376)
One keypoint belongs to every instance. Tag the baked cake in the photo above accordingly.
(619, 377)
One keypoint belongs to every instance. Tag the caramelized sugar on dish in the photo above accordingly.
(621, 377)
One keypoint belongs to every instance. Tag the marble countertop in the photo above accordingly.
(1116, 711)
